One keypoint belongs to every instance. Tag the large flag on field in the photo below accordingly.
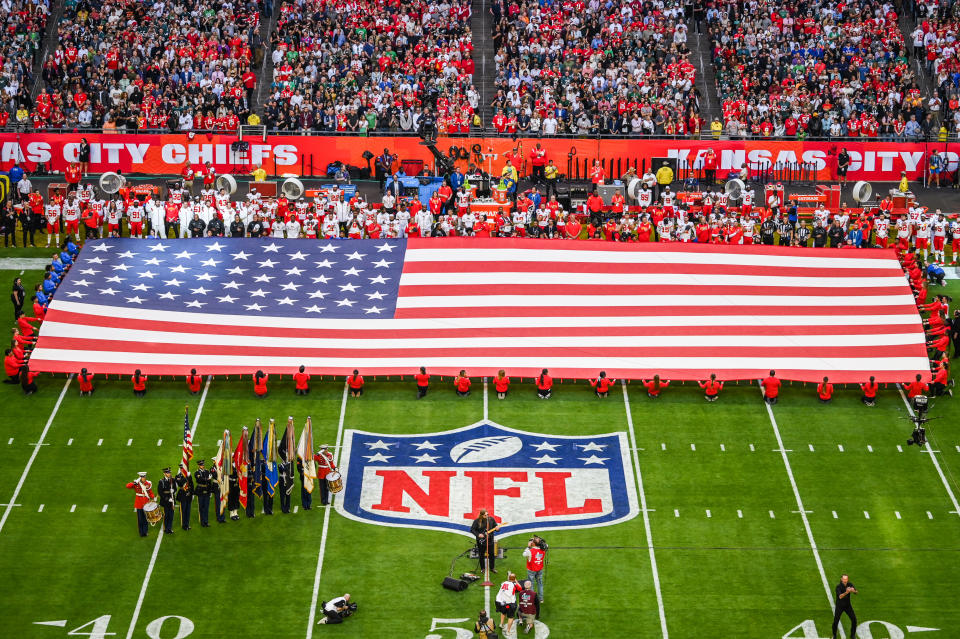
(481, 304)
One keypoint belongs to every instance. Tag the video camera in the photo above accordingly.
(920, 408)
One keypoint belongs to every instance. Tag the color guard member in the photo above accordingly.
(184, 498)
(168, 490)
(203, 480)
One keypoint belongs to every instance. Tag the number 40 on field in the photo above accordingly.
(159, 628)
(808, 630)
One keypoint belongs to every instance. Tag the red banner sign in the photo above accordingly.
(310, 155)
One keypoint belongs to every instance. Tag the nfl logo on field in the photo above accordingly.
(530, 481)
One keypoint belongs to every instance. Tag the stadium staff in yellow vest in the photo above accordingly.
(664, 178)
(259, 175)
(509, 177)
(551, 176)
(716, 128)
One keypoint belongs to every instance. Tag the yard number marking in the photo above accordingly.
(97, 628)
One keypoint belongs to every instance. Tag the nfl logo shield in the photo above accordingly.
(528, 481)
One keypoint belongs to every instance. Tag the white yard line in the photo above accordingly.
(160, 534)
(936, 464)
(646, 516)
(326, 522)
(803, 511)
(486, 416)
(33, 455)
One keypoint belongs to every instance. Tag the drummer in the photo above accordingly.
(142, 496)
(325, 466)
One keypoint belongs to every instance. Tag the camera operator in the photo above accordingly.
(536, 553)
(484, 626)
(336, 610)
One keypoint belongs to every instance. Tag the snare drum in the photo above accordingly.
(334, 482)
(153, 513)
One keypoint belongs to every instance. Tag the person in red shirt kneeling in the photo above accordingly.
(260, 384)
(601, 385)
(302, 381)
(917, 387)
(869, 392)
(86, 383)
(502, 384)
(423, 382)
(194, 382)
(825, 391)
(771, 388)
(941, 378)
(462, 384)
(139, 383)
(355, 382)
(711, 388)
(544, 385)
(654, 386)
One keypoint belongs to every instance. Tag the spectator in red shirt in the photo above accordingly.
(825, 391)
(917, 387)
(602, 384)
(711, 388)
(869, 389)
(301, 381)
(194, 382)
(260, 384)
(462, 384)
(501, 383)
(86, 383)
(139, 383)
(654, 386)
(355, 382)
(423, 382)
(544, 385)
(771, 388)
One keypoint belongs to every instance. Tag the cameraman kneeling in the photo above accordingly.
(336, 610)
(484, 626)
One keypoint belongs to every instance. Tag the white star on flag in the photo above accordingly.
(152, 262)
(285, 301)
(263, 278)
(101, 248)
(140, 287)
(254, 307)
(184, 255)
(95, 260)
(379, 279)
(135, 300)
(116, 279)
(227, 299)
(385, 247)
(373, 309)
(313, 309)
(328, 248)
(168, 296)
(199, 291)
(195, 304)
(90, 271)
(158, 247)
(297, 256)
(81, 283)
(236, 270)
(382, 264)
(121, 267)
(352, 271)
(321, 279)
(216, 246)
(258, 293)
(324, 264)
(148, 274)
(174, 282)
(348, 287)
(180, 269)
(317, 294)
(126, 254)
(267, 264)
(76, 294)
(290, 286)
(210, 262)
(345, 302)
(271, 248)
(376, 295)
(232, 284)
(293, 271)
(241, 255)
(108, 291)
(205, 277)
(356, 255)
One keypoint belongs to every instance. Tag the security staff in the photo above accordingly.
(844, 591)
(483, 529)
(142, 496)
(167, 489)
(184, 498)
(203, 482)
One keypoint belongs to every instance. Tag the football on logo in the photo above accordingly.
(486, 449)
(530, 481)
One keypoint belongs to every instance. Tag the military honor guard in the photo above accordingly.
(204, 487)
(233, 494)
(167, 489)
(184, 497)
(220, 512)
(143, 495)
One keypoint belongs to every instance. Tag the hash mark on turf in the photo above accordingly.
(840, 446)
(70, 442)
(663, 446)
(739, 514)
(104, 509)
(929, 515)
(129, 441)
(10, 442)
(100, 442)
(772, 516)
(693, 446)
(869, 448)
(708, 514)
(811, 447)
(958, 449)
(751, 448)
(295, 509)
(676, 513)
(723, 448)
(866, 515)
(899, 448)
(159, 442)
(73, 508)
(834, 514)
(40, 509)
(897, 513)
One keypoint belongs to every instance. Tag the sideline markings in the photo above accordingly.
(869, 448)
(486, 414)
(929, 515)
(751, 448)
(811, 447)
(326, 522)
(803, 512)
(772, 516)
(708, 513)
(104, 509)
(160, 535)
(740, 514)
(73, 508)
(33, 455)
(676, 513)
(834, 514)
(866, 514)
(840, 446)
(927, 449)
(897, 513)
(70, 442)
(99, 442)
(40, 509)
(693, 446)
(646, 515)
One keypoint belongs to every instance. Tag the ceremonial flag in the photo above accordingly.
(187, 444)
(305, 454)
(226, 467)
(286, 453)
(240, 463)
(255, 455)
(271, 472)
(387, 307)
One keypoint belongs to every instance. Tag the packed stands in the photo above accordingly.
(934, 42)
(593, 67)
(165, 65)
(24, 22)
(830, 69)
(371, 65)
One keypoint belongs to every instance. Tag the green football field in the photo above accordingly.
(751, 517)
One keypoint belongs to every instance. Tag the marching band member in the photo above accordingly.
(325, 466)
(167, 489)
(143, 494)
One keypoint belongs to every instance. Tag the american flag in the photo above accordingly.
(387, 307)
(187, 445)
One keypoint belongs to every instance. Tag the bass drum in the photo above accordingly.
(334, 482)
(153, 513)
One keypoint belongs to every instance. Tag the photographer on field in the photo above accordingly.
(536, 555)
(484, 626)
(336, 610)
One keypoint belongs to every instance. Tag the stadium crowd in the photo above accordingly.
(372, 65)
(593, 67)
(167, 65)
(24, 23)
